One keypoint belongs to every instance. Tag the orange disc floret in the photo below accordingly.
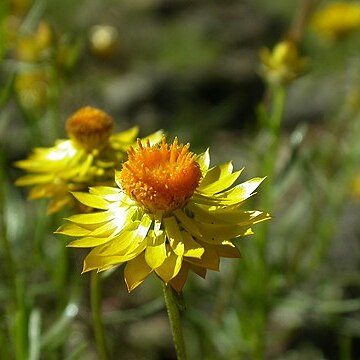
(90, 128)
(160, 177)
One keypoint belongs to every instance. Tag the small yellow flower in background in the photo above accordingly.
(31, 87)
(103, 41)
(171, 213)
(35, 46)
(87, 158)
(355, 188)
(19, 7)
(337, 20)
(283, 64)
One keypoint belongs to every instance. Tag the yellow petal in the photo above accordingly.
(187, 223)
(227, 215)
(104, 256)
(108, 229)
(198, 270)
(233, 196)
(174, 235)
(155, 252)
(229, 250)
(153, 138)
(91, 200)
(57, 204)
(209, 260)
(121, 140)
(136, 271)
(71, 229)
(144, 227)
(242, 191)
(204, 161)
(104, 190)
(216, 233)
(108, 193)
(198, 198)
(216, 173)
(49, 190)
(34, 179)
(84, 167)
(179, 280)
(122, 245)
(170, 267)
(218, 179)
(92, 218)
(88, 241)
(191, 247)
(98, 263)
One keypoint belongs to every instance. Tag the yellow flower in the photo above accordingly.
(19, 7)
(103, 41)
(35, 46)
(355, 188)
(31, 87)
(88, 158)
(283, 64)
(170, 213)
(337, 20)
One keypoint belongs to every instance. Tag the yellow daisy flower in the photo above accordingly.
(283, 64)
(170, 213)
(337, 20)
(87, 158)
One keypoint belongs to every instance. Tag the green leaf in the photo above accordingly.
(34, 335)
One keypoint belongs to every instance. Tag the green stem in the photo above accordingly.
(5, 243)
(173, 311)
(17, 308)
(96, 316)
(277, 110)
(258, 287)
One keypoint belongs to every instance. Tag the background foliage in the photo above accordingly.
(190, 67)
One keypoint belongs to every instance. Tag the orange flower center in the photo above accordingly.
(90, 128)
(160, 177)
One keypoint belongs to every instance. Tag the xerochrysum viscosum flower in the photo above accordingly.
(170, 213)
(87, 158)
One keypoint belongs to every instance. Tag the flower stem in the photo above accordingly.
(96, 316)
(173, 311)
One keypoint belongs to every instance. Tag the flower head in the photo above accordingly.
(87, 158)
(103, 41)
(337, 20)
(161, 178)
(90, 128)
(170, 213)
(283, 64)
(32, 88)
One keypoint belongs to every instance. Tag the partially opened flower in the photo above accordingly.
(283, 64)
(87, 158)
(337, 20)
(170, 213)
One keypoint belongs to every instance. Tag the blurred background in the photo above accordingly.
(199, 70)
